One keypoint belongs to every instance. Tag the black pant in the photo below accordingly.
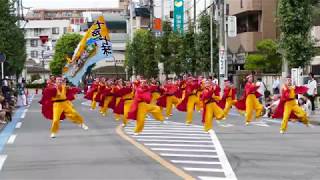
(311, 98)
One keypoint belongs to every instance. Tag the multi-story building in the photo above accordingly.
(255, 22)
(41, 37)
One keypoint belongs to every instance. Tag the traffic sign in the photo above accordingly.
(2, 57)
(222, 64)
(232, 26)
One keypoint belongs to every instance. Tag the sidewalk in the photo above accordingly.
(315, 118)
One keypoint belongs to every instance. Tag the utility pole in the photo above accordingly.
(131, 20)
(222, 42)
(151, 15)
(211, 38)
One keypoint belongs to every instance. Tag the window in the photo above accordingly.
(55, 30)
(37, 32)
(65, 30)
(33, 42)
(34, 54)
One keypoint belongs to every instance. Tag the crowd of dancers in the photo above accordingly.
(134, 100)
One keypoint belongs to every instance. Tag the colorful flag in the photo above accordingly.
(178, 16)
(94, 47)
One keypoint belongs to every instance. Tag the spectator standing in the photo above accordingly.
(312, 90)
(261, 89)
(276, 86)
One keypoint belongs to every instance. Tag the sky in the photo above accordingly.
(52, 4)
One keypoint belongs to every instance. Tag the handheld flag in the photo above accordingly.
(94, 47)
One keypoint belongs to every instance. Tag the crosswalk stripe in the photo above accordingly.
(179, 131)
(178, 145)
(212, 178)
(179, 134)
(165, 127)
(172, 137)
(183, 150)
(203, 169)
(194, 162)
(2, 160)
(169, 140)
(189, 155)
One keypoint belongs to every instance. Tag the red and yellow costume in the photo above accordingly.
(141, 106)
(210, 98)
(249, 102)
(189, 101)
(58, 105)
(168, 99)
(289, 108)
(228, 99)
(123, 107)
(106, 97)
(92, 93)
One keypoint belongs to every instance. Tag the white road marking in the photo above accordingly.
(23, 115)
(179, 145)
(203, 169)
(194, 162)
(11, 139)
(170, 140)
(2, 160)
(172, 137)
(183, 150)
(189, 155)
(166, 127)
(222, 157)
(179, 131)
(211, 178)
(226, 125)
(18, 125)
(262, 124)
(178, 134)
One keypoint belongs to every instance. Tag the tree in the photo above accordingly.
(141, 54)
(65, 47)
(295, 22)
(267, 58)
(203, 44)
(12, 42)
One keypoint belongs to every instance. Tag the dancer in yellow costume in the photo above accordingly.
(288, 106)
(61, 96)
(141, 107)
(210, 97)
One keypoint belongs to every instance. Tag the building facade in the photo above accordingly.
(255, 22)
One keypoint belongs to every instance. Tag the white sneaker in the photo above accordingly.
(135, 134)
(53, 135)
(167, 118)
(83, 126)
(281, 131)
(123, 125)
(210, 131)
(247, 123)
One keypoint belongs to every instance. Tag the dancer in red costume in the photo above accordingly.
(288, 106)
(249, 102)
(60, 95)
(228, 98)
(168, 99)
(141, 107)
(190, 100)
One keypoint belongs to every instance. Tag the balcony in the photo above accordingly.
(244, 42)
(240, 6)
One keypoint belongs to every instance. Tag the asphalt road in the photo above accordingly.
(255, 152)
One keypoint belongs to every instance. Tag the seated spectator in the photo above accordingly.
(2, 112)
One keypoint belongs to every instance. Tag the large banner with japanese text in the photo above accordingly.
(178, 16)
(93, 47)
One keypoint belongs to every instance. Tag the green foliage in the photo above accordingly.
(12, 42)
(203, 44)
(267, 58)
(64, 47)
(295, 22)
(141, 54)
